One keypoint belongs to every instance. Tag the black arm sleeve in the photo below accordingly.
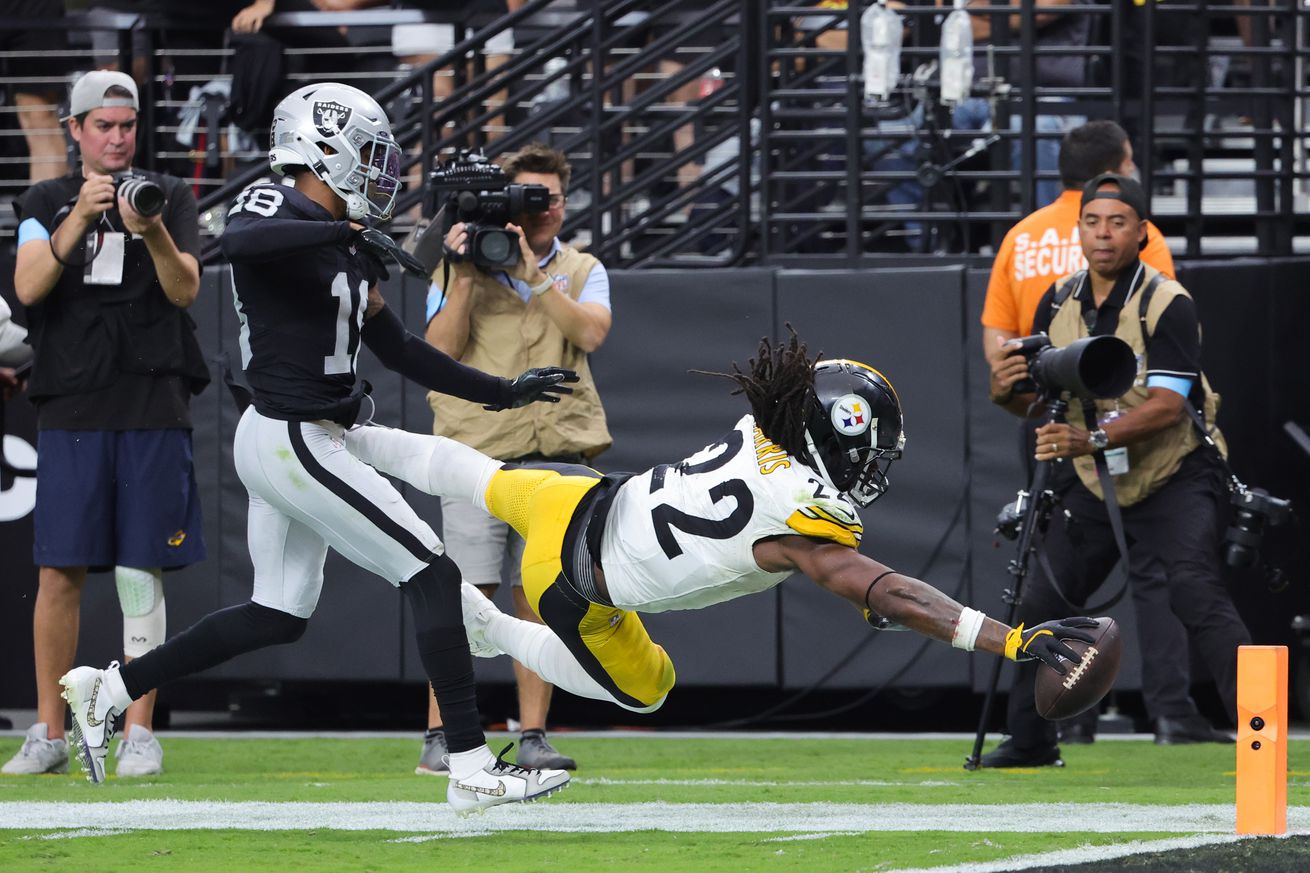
(262, 239)
(411, 357)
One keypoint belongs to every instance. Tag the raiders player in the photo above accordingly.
(777, 495)
(304, 273)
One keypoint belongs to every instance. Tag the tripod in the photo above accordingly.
(1032, 518)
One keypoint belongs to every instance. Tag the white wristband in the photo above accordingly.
(967, 628)
(546, 284)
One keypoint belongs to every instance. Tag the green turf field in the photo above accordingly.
(644, 802)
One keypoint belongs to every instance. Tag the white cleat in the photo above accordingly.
(502, 782)
(478, 611)
(94, 718)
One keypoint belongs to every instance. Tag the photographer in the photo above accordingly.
(552, 308)
(1170, 486)
(116, 361)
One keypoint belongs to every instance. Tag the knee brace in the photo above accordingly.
(141, 597)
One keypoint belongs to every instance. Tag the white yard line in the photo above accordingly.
(767, 818)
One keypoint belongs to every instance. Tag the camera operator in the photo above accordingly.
(116, 361)
(1170, 486)
(552, 308)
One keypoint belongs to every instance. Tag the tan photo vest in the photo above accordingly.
(1153, 460)
(508, 336)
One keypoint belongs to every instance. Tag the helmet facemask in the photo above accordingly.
(378, 181)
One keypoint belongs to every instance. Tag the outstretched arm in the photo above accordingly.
(911, 602)
(401, 351)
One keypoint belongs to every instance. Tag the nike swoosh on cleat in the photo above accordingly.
(91, 707)
(498, 791)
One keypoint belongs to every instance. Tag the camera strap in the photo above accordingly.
(1116, 526)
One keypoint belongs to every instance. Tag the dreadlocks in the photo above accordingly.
(778, 386)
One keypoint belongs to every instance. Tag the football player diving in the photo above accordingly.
(777, 495)
(304, 274)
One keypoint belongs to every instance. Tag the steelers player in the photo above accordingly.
(304, 273)
(777, 495)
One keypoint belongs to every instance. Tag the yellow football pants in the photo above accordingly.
(611, 644)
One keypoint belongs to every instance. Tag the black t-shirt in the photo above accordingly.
(1172, 349)
(130, 396)
(301, 289)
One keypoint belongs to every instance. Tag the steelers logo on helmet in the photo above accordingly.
(854, 429)
(851, 415)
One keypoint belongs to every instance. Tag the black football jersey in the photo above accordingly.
(300, 289)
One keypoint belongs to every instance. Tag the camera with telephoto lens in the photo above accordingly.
(1091, 368)
(1254, 510)
(477, 192)
(141, 194)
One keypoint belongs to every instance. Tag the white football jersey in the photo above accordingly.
(682, 536)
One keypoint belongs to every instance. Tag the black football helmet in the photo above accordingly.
(854, 428)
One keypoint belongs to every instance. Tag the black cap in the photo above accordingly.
(1130, 192)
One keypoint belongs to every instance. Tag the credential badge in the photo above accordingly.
(330, 117)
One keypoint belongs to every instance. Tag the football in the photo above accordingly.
(1088, 679)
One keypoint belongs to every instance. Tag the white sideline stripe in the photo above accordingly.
(809, 818)
(1080, 855)
(735, 736)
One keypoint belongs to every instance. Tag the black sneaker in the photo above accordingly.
(1076, 733)
(536, 751)
(1190, 729)
(1009, 755)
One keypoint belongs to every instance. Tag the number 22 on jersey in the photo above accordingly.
(666, 517)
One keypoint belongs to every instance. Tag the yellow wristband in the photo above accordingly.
(543, 287)
(1012, 641)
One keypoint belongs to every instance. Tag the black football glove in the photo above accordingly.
(379, 247)
(1045, 642)
(539, 383)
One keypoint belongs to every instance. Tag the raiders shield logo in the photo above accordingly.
(330, 117)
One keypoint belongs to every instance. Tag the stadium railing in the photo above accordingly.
(1218, 125)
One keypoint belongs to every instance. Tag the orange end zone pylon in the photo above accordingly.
(1262, 740)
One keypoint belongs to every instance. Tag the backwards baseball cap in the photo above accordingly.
(89, 92)
(1130, 192)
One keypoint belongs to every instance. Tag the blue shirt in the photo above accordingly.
(595, 290)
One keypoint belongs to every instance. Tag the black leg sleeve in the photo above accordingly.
(443, 647)
(216, 638)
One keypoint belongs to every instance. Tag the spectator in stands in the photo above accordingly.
(552, 309)
(116, 361)
(37, 97)
(1055, 30)
(417, 44)
(1170, 486)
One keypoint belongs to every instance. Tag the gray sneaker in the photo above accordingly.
(433, 762)
(38, 754)
(139, 753)
(537, 752)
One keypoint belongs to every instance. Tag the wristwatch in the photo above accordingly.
(1099, 439)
